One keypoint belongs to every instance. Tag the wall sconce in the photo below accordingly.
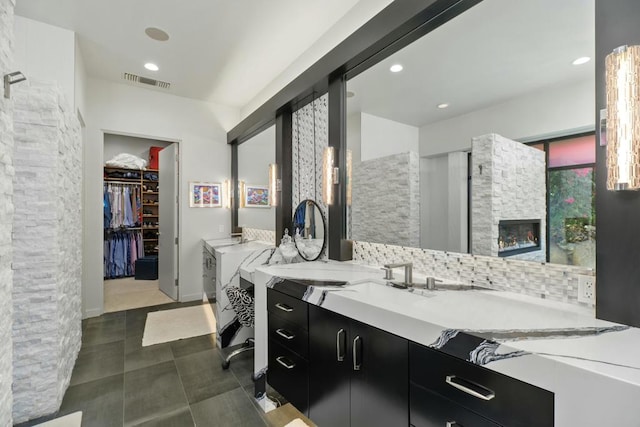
(241, 193)
(349, 175)
(623, 118)
(226, 194)
(275, 184)
(329, 175)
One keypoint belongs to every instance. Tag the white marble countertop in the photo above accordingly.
(541, 342)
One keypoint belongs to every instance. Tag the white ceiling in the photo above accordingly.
(224, 51)
(496, 51)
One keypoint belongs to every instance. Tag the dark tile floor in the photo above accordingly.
(117, 382)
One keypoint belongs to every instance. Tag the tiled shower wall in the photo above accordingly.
(6, 213)
(47, 248)
(386, 200)
(551, 281)
(310, 137)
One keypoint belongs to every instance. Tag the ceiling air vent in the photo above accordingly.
(145, 80)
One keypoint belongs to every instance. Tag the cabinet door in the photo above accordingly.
(328, 376)
(379, 377)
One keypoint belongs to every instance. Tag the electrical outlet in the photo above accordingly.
(587, 289)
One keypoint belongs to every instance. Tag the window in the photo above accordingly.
(571, 200)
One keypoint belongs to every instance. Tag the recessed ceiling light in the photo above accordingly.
(581, 60)
(157, 34)
(396, 68)
(443, 105)
(151, 66)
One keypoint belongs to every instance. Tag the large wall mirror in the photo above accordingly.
(458, 140)
(254, 157)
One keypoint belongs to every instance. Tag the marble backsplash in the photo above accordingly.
(549, 281)
(268, 236)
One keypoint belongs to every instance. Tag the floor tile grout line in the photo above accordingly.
(251, 398)
(184, 391)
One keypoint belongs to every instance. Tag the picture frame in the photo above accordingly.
(205, 194)
(256, 196)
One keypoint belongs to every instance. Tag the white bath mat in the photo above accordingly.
(179, 323)
(297, 423)
(71, 420)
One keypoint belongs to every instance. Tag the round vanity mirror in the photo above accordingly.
(309, 230)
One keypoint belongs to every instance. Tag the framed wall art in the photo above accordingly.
(256, 196)
(205, 194)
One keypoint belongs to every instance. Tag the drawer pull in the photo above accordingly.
(453, 424)
(285, 334)
(283, 361)
(357, 353)
(341, 345)
(284, 307)
(466, 386)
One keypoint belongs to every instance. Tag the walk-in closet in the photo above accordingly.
(131, 211)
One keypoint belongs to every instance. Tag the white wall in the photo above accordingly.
(354, 136)
(200, 127)
(117, 144)
(443, 207)
(350, 22)
(45, 52)
(383, 137)
(254, 157)
(554, 111)
(80, 81)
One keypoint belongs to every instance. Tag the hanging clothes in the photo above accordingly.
(122, 205)
(121, 250)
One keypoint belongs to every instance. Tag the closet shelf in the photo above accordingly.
(122, 181)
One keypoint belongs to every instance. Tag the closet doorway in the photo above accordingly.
(140, 193)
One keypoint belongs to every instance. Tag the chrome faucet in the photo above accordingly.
(431, 283)
(408, 273)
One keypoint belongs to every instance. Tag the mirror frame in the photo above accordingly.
(324, 227)
(396, 26)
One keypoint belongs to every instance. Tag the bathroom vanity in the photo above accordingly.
(347, 349)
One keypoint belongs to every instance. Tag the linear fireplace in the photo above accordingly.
(518, 236)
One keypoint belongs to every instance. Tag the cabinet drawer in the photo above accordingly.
(289, 335)
(428, 409)
(503, 399)
(288, 308)
(289, 374)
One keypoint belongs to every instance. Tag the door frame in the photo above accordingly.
(104, 131)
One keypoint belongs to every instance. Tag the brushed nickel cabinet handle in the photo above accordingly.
(285, 334)
(340, 347)
(465, 386)
(284, 307)
(357, 363)
(283, 361)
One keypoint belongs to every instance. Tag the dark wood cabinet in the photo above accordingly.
(343, 373)
(497, 397)
(358, 374)
(288, 348)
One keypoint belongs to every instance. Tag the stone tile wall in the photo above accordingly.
(47, 248)
(268, 236)
(508, 183)
(386, 200)
(310, 137)
(6, 213)
(551, 281)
